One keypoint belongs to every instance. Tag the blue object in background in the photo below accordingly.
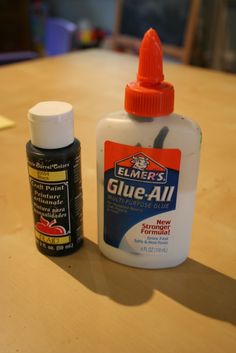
(14, 57)
(59, 35)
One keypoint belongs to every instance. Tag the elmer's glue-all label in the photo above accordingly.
(140, 183)
(147, 166)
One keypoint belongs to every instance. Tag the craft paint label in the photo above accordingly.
(57, 203)
(140, 191)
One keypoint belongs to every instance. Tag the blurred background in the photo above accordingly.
(194, 32)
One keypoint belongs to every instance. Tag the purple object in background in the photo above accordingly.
(58, 36)
(13, 57)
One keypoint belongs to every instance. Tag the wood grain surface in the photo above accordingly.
(84, 302)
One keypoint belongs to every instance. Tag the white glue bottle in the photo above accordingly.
(147, 166)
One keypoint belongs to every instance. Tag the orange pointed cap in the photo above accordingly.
(150, 96)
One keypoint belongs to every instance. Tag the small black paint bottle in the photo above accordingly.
(55, 178)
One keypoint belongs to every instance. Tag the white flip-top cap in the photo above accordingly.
(51, 124)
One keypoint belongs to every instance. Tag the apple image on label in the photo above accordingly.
(47, 227)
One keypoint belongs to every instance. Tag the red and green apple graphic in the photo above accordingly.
(48, 227)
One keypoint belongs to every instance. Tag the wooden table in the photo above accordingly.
(84, 302)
